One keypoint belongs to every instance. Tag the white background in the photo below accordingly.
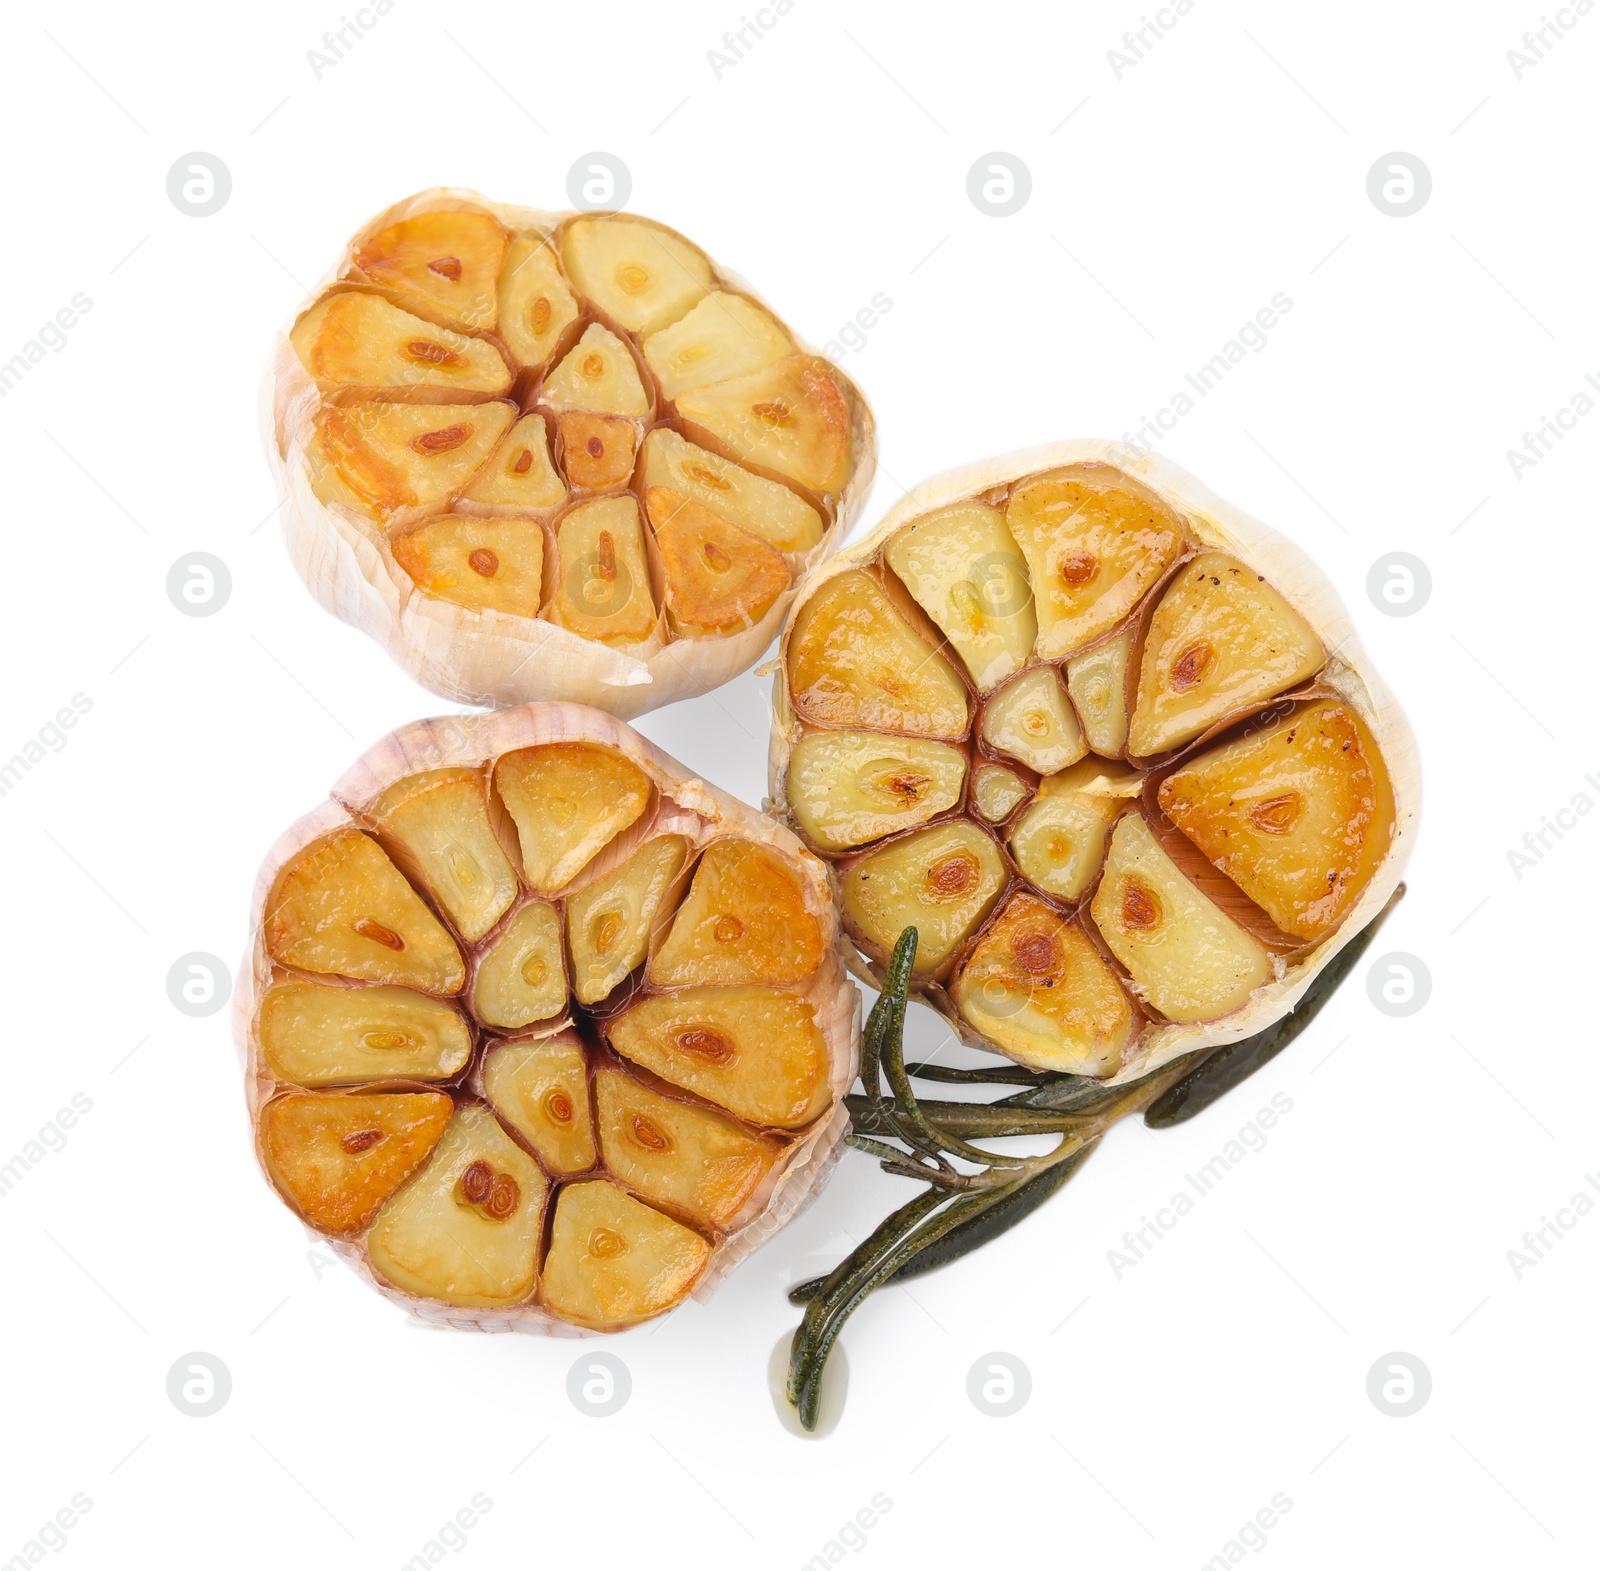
(827, 165)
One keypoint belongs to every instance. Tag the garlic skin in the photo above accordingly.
(681, 805)
(490, 658)
(1215, 525)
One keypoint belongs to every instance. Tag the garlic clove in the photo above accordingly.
(602, 590)
(754, 1051)
(853, 660)
(640, 274)
(789, 417)
(599, 374)
(745, 920)
(337, 1158)
(341, 908)
(540, 1089)
(760, 506)
(943, 881)
(316, 1034)
(1298, 814)
(535, 305)
(520, 977)
(1035, 985)
(1094, 547)
(716, 578)
(699, 1165)
(394, 456)
(852, 787)
(1030, 720)
(614, 1261)
(466, 1230)
(610, 922)
(1185, 955)
(568, 800)
(443, 264)
(520, 473)
(1221, 638)
(484, 564)
(724, 336)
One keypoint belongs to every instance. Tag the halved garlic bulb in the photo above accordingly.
(556, 456)
(1111, 746)
(541, 1030)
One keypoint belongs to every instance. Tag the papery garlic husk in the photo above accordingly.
(488, 865)
(1278, 781)
(545, 362)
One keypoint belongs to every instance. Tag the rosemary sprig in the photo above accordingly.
(961, 1211)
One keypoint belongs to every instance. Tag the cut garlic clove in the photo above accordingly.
(1221, 639)
(568, 801)
(439, 823)
(1297, 814)
(610, 922)
(1094, 547)
(853, 660)
(521, 977)
(354, 342)
(1187, 957)
(717, 579)
(963, 568)
(396, 456)
(997, 792)
(520, 473)
(1097, 682)
(942, 881)
(313, 1034)
(852, 787)
(596, 450)
(1036, 986)
(763, 507)
(745, 920)
(536, 307)
(466, 1230)
(1059, 841)
(697, 1164)
(540, 1090)
(723, 337)
(641, 275)
(614, 1262)
(603, 588)
(341, 908)
(444, 263)
(484, 564)
(599, 374)
(1030, 720)
(790, 418)
(337, 1158)
(754, 1051)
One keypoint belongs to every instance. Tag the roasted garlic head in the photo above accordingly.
(541, 1029)
(556, 456)
(1109, 745)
